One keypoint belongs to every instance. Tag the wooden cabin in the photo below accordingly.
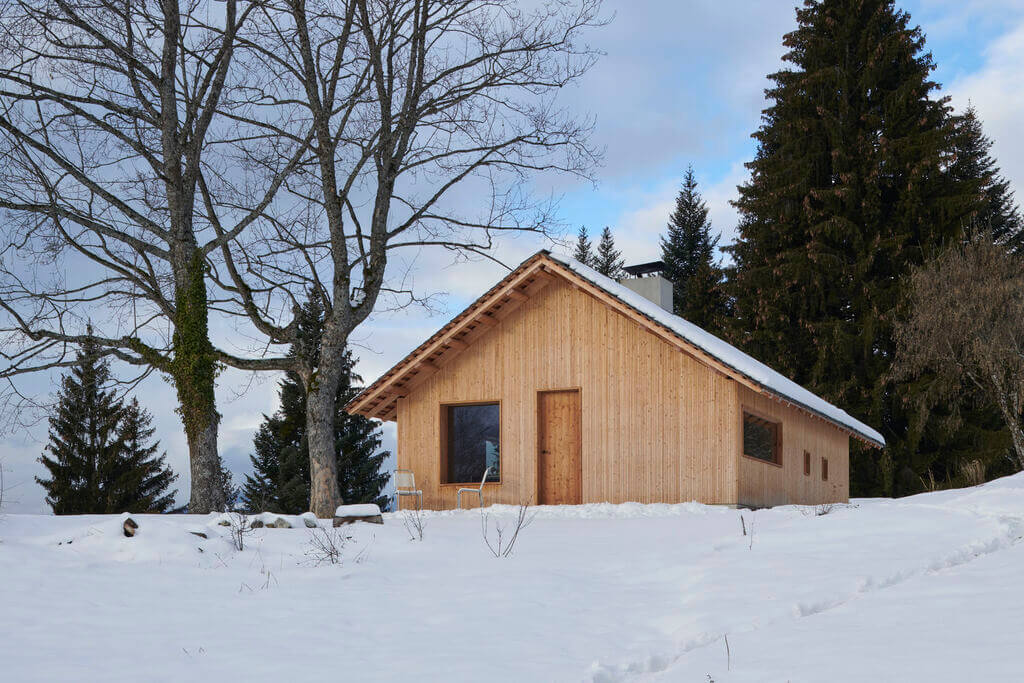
(574, 388)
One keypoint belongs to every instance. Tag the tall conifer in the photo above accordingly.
(608, 260)
(584, 252)
(848, 189)
(141, 477)
(973, 164)
(99, 457)
(688, 250)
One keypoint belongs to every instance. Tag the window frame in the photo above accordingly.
(807, 463)
(776, 425)
(824, 468)
(443, 444)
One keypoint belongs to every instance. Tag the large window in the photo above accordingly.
(470, 443)
(761, 439)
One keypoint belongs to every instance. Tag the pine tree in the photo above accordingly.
(280, 479)
(688, 251)
(848, 189)
(99, 454)
(608, 260)
(973, 164)
(584, 252)
(139, 478)
(260, 490)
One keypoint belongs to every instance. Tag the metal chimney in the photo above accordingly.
(646, 279)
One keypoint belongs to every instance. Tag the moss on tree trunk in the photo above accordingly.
(194, 370)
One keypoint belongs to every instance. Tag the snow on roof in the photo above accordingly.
(723, 351)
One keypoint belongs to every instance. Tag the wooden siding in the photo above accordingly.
(657, 425)
(764, 484)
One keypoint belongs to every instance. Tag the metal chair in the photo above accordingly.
(479, 491)
(405, 485)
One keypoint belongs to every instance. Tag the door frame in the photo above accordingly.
(536, 427)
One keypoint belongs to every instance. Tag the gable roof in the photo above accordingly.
(380, 399)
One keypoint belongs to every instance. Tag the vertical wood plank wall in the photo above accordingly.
(658, 426)
(763, 484)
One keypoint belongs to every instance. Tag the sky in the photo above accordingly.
(679, 83)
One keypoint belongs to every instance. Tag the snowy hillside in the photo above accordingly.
(922, 589)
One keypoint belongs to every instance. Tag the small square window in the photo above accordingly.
(807, 463)
(824, 469)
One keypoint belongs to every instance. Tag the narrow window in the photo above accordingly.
(824, 469)
(470, 442)
(807, 463)
(761, 439)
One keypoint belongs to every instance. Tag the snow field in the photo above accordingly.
(923, 588)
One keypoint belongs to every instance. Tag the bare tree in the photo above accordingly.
(965, 328)
(412, 103)
(112, 115)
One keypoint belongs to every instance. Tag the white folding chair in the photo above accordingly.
(405, 485)
(478, 491)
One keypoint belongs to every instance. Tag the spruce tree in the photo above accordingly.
(608, 260)
(848, 189)
(280, 479)
(688, 251)
(584, 252)
(260, 489)
(99, 456)
(140, 478)
(973, 164)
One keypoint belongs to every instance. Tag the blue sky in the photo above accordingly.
(680, 83)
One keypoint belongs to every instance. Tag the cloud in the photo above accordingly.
(996, 90)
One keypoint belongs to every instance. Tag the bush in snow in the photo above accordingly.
(239, 527)
(415, 523)
(326, 545)
(504, 538)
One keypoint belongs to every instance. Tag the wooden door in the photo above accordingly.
(559, 448)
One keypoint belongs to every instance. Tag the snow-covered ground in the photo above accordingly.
(929, 588)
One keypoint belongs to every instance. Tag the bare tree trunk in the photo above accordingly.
(1011, 416)
(1017, 434)
(204, 465)
(324, 497)
(321, 406)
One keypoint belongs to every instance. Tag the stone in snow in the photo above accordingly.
(362, 512)
(130, 526)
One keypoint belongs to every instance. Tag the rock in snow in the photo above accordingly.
(130, 526)
(363, 512)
